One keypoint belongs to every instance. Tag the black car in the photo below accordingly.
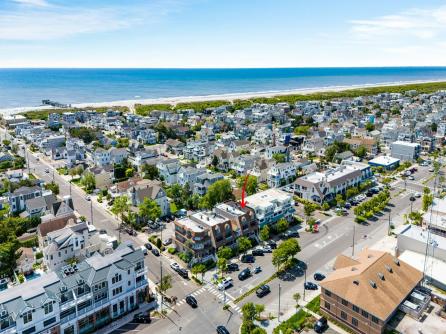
(320, 325)
(257, 252)
(183, 273)
(272, 244)
(222, 330)
(244, 274)
(155, 252)
(290, 234)
(142, 318)
(248, 259)
(232, 267)
(191, 301)
(369, 193)
(319, 277)
(263, 291)
(148, 245)
(310, 286)
(347, 205)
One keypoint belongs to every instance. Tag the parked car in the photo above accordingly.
(321, 325)
(310, 286)
(102, 231)
(222, 330)
(88, 198)
(257, 270)
(257, 252)
(232, 267)
(183, 273)
(131, 232)
(318, 277)
(167, 241)
(175, 266)
(266, 249)
(263, 290)
(369, 193)
(290, 234)
(155, 252)
(347, 205)
(411, 178)
(148, 246)
(144, 250)
(417, 195)
(272, 244)
(225, 283)
(244, 274)
(247, 258)
(142, 318)
(47, 170)
(191, 301)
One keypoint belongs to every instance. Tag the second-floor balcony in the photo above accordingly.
(141, 283)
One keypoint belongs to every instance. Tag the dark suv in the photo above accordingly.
(321, 325)
(263, 290)
(244, 274)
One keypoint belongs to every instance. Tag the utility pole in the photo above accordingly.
(353, 241)
(305, 279)
(91, 214)
(389, 228)
(278, 314)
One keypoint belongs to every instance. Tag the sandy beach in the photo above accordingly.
(229, 97)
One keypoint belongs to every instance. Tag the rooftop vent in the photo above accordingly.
(397, 262)
(356, 282)
(372, 284)
(354, 268)
(389, 268)
(381, 276)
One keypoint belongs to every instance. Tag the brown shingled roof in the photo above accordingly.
(354, 282)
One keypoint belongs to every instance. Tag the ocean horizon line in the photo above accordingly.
(230, 97)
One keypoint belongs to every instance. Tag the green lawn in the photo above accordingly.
(314, 305)
(295, 323)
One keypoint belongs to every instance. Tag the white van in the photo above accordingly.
(144, 250)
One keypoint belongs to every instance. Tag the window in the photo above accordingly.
(343, 315)
(128, 283)
(27, 317)
(327, 305)
(375, 319)
(49, 321)
(327, 293)
(29, 330)
(344, 302)
(355, 322)
(48, 307)
(364, 314)
(356, 308)
(69, 330)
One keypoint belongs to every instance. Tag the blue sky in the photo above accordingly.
(221, 33)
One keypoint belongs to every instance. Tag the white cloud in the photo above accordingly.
(38, 3)
(419, 23)
(53, 22)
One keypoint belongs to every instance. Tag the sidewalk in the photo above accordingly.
(126, 319)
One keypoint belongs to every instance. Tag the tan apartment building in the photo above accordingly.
(364, 293)
(203, 232)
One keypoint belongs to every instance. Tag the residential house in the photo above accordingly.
(188, 175)
(281, 174)
(18, 198)
(168, 170)
(405, 151)
(151, 190)
(204, 181)
(175, 146)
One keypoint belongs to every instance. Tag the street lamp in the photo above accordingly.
(278, 314)
(412, 199)
(305, 278)
(389, 227)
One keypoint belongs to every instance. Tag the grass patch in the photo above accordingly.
(297, 322)
(247, 293)
(315, 304)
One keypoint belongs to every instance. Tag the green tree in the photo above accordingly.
(264, 233)
(6, 142)
(308, 210)
(259, 309)
(296, 298)
(88, 181)
(149, 209)
(243, 244)
(249, 313)
(284, 252)
(224, 252)
(9, 255)
(251, 184)
(215, 161)
(53, 186)
(282, 225)
(218, 192)
(370, 126)
(340, 200)
(165, 284)
(427, 201)
(199, 268)
(129, 172)
(120, 206)
(279, 157)
(222, 264)
(361, 151)
(150, 171)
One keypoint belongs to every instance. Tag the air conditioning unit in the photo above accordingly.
(80, 281)
(3, 313)
(63, 288)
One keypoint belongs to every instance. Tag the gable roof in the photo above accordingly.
(393, 281)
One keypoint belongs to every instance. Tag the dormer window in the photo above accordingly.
(27, 317)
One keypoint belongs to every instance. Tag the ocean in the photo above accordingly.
(28, 87)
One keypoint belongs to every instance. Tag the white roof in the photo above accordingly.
(384, 160)
(265, 198)
(406, 143)
(435, 268)
(190, 224)
(420, 234)
(208, 218)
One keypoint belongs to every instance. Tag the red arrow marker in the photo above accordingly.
(243, 203)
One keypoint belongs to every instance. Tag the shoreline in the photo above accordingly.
(203, 98)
